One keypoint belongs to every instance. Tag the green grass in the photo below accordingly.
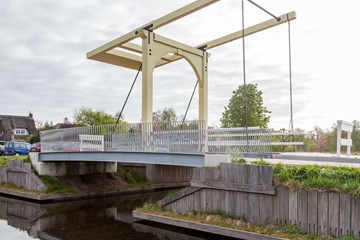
(348, 238)
(261, 162)
(151, 207)
(223, 220)
(13, 187)
(238, 160)
(344, 179)
(54, 187)
(4, 159)
(133, 178)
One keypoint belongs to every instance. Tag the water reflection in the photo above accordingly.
(107, 218)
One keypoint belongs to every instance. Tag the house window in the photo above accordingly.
(21, 131)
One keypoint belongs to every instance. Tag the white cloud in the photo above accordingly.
(43, 67)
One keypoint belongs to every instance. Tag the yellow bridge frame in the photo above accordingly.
(157, 51)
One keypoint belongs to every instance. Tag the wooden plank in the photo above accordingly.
(178, 195)
(231, 207)
(3, 175)
(302, 210)
(293, 207)
(312, 212)
(234, 174)
(266, 210)
(203, 227)
(276, 207)
(203, 202)
(254, 174)
(266, 175)
(197, 201)
(244, 171)
(18, 169)
(345, 215)
(157, 231)
(254, 200)
(243, 200)
(253, 208)
(269, 190)
(234, 197)
(323, 213)
(283, 193)
(223, 172)
(215, 200)
(334, 201)
(196, 174)
(355, 216)
(202, 174)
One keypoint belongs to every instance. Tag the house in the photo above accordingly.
(16, 127)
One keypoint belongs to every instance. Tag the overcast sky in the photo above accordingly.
(43, 65)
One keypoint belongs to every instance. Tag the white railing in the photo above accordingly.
(346, 127)
(184, 137)
(176, 137)
(245, 140)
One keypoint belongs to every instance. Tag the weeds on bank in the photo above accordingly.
(222, 219)
(5, 159)
(54, 187)
(132, 178)
(343, 179)
(323, 177)
(13, 187)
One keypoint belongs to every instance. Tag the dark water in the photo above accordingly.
(95, 219)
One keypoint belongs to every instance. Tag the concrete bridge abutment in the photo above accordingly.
(71, 168)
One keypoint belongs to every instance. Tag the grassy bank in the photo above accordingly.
(342, 179)
(54, 186)
(220, 219)
(4, 159)
(132, 178)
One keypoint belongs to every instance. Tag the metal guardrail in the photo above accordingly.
(176, 137)
(244, 140)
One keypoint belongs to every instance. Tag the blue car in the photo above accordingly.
(16, 148)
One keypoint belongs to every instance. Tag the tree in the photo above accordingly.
(41, 126)
(166, 115)
(85, 116)
(234, 115)
(355, 136)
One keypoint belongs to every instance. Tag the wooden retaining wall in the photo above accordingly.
(245, 190)
(20, 174)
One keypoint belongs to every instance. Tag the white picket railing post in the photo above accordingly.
(347, 127)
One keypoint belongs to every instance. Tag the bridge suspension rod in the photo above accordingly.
(127, 98)
(263, 9)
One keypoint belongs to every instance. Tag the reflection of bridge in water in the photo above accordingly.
(172, 143)
(109, 218)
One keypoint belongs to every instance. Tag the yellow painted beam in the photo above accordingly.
(113, 44)
(168, 18)
(138, 49)
(249, 31)
(120, 58)
(239, 34)
(178, 45)
(180, 13)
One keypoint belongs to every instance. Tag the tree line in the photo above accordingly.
(245, 108)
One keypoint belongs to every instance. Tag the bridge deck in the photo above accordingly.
(176, 159)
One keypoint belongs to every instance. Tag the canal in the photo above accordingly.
(94, 219)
